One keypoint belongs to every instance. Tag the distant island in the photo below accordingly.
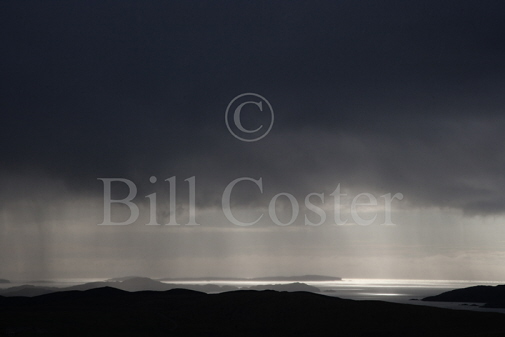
(301, 278)
(4, 281)
(297, 286)
(146, 284)
(108, 311)
(491, 296)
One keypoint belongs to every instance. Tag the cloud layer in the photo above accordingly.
(386, 97)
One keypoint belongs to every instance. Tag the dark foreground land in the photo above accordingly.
(113, 312)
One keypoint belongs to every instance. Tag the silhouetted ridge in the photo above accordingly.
(184, 292)
(147, 284)
(111, 312)
(105, 291)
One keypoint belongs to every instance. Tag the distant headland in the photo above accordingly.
(133, 283)
(490, 296)
(300, 278)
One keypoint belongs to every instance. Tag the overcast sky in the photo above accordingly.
(379, 97)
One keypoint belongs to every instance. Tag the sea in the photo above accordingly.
(405, 291)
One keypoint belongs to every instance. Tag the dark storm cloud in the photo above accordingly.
(389, 96)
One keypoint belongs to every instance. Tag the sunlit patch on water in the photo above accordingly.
(382, 294)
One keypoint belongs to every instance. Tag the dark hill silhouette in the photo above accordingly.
(144, 283)
(4, 281)
(112, 312)
(183, 292)
(493, 296)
